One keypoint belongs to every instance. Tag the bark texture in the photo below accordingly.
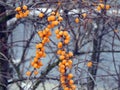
(3, 51)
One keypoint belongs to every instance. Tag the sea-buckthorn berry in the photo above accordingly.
(70, 54)
(62, 57)
(28, 73)
(53, 13)
(60, 45)
(24, 7)
(57, 31)
(17, 16)
(51, 18)
(66, 41)
(107, 7)
(70, 75)
(77, 20)
(36, 72)
(18, 9)
(84, 15)
(71, 82)
(41, 15)
(102, 6)
(89, 64)
(98, 8)
(65, 33)
(60, 18)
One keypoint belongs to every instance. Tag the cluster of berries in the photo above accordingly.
(54, 19)
(77, 20)
(102, 6)
(40, 49)
(65, 62)
(62, 34)
(22, 12)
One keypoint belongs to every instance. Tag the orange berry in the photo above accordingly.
(70, 62)
(52, 25)
(65, 33)
(40, 33)
(51, 18)
(62, 66)
(45, 39)
(68, 37)
(49, 26)
(28, 73)
(66, 41)
(84, 15)
(35, 65)
(61, 33)
(60, 45)
(107, 7)
(17, 16)
(57, 31)
(49, 34)
(101, 5)
(36, 72)
(71, 82)
(21, 15)
(70, 54)
(47, 30)
(62, 71)
(64, 62)
(44, 32)
(58, 36)
(40, 53)
(44, 54)
(66, 88)
(25, 7)
(52, 13)
(62, 57)
(98, 8)
(60, 18)
(40, 45)
(70, 75)
(62, 79)
(35, 59)
(18, 9)
(40, 63)
(55, 23)
(27, 12)
(59, 52)
(73, 87)
(89, 64)
(42, 49)
(63, 53)
(77, 20)
(41, 15)
(101, 0)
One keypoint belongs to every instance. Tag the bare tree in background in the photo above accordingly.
(94, 35)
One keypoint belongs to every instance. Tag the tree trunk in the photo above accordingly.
(95, 57)
(3, 51)
(93, 70)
